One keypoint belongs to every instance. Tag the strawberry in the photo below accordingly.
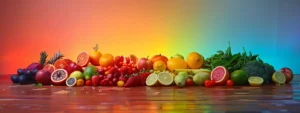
(110, 83)
(142, 78)
(137, 81)
(130, 82)
(95, 80)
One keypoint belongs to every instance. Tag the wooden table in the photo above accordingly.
(223, 99)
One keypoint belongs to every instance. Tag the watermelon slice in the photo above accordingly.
(220, 74)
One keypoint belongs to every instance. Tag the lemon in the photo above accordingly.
(165, 78)
(255, 81)
(278, 78)
(151, 79)
(159, 66)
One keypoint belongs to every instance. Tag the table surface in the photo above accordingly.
(223, 99)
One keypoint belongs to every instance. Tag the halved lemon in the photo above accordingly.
(152, 79)
(165, 78)
(255, 81)
(279, 78)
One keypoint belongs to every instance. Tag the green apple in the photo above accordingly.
(180, 80)
(178, 56)
(200, 77)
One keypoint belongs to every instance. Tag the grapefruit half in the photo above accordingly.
(50, 68)
(83, 59)
(220, 74)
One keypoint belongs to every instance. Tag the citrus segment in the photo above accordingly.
(165, 78)
(255, 81)
(220, 74)
(279, 78)
(71, 81)
(83, 59)
(60, 64)
(152, 79)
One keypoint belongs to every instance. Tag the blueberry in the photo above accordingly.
(14, 78)
(35, 71)
(21, 71)
(23, 79)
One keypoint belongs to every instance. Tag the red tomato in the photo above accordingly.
(207, 83)
(189, 82)
(213, 83)
(88, 83)
(230, 83)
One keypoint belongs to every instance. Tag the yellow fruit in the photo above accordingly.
(159, 66)
(278, 78)
(152, 80)
(80, 82)
(195, 60)
(255, 81)
(120, 83)
(106, 60)
(176, 63)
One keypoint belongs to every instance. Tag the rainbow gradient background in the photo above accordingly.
(270, 28)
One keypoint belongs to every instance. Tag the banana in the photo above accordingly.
(192, 71)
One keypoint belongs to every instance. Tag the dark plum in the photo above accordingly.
(14, 78)
(35, 71)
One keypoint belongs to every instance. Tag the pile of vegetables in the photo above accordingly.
(249, 63)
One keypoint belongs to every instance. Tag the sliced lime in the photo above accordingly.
(151, 79)
(279, 78)
(255, 81)
(165, 78)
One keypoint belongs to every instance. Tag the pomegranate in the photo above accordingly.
(144, 63)
(43, 77)
(34, 66)
(59, 77)
(288, 74)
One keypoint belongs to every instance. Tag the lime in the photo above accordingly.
(165, 78)
(239, 77)
(89, 72)
(151, 79)
(279, 78)
(255, 81)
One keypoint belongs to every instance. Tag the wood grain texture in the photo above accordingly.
(221, 99)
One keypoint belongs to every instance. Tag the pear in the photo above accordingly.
(180, 80)
(200, 78)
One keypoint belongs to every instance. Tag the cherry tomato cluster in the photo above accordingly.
(209, 83)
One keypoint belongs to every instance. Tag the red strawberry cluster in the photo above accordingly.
(109, 76)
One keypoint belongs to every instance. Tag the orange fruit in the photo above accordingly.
(49, 67)
(94, 57)
(83, 59)
(60, 64)
(80, 82)
(176, 63)
(195, 60)
(106, 60)
(220, 74)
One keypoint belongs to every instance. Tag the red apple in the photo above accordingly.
(43, 77)
(159, 57)
(144, 63)
(288, 74)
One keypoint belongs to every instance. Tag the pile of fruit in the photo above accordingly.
(97, 69)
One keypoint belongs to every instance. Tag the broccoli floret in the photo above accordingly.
(255, 68)
(269, 69)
